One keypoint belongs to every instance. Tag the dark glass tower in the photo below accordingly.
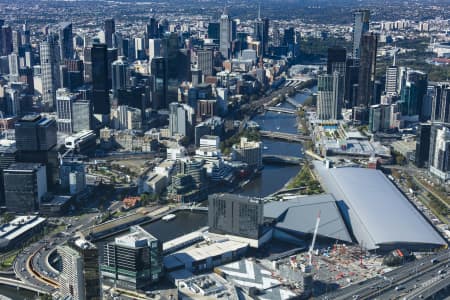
(367, 68)
(99, 56)
(423, 144)
(159, 72)
(110, 28)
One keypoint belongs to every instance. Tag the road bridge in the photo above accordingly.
(290, 137)
(281, 110)
(21, 285)
(281, 159)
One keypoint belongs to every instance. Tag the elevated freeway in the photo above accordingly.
(22, 285)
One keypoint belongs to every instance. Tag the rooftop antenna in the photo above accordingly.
(259, 10)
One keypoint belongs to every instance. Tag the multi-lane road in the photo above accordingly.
(31, 264)
(415, 280)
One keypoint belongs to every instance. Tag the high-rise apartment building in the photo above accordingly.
(330, 90)
(367, 68)
(225, 35)
(49, 63)
(391, 81)
(79, 278)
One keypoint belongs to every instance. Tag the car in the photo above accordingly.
(399, 288)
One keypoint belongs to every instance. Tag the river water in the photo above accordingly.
(274, 177)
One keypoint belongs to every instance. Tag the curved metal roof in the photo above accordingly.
(299, 214)
(378, 213)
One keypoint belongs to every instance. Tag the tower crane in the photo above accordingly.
(311, 248)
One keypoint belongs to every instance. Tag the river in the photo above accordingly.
(274, 177)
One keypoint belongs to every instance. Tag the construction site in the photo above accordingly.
(321, 269)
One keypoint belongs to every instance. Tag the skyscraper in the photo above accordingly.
(439, 160)
(158, 69)
(152, 29)
(330, 96)
(225, 35)
(154, 48)
(100, 94)
(64, 110)
(360, 27)
(367, 69)
(205, 62)
(413, 92)
(261, 32)
(82, 115)
(65, 40)
(49, 63)
(379, 117)
(440, 106)
(17, 41)
(14, 65)
(80, 274)
(214, 31)
(391, 81)
(119, 70)
(110, 29)
(6, 40)
(87, 61)
(181, 119)
(423, 145)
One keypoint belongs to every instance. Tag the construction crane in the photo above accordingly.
(311, 248)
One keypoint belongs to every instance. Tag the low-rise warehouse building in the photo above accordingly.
(19, 230)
